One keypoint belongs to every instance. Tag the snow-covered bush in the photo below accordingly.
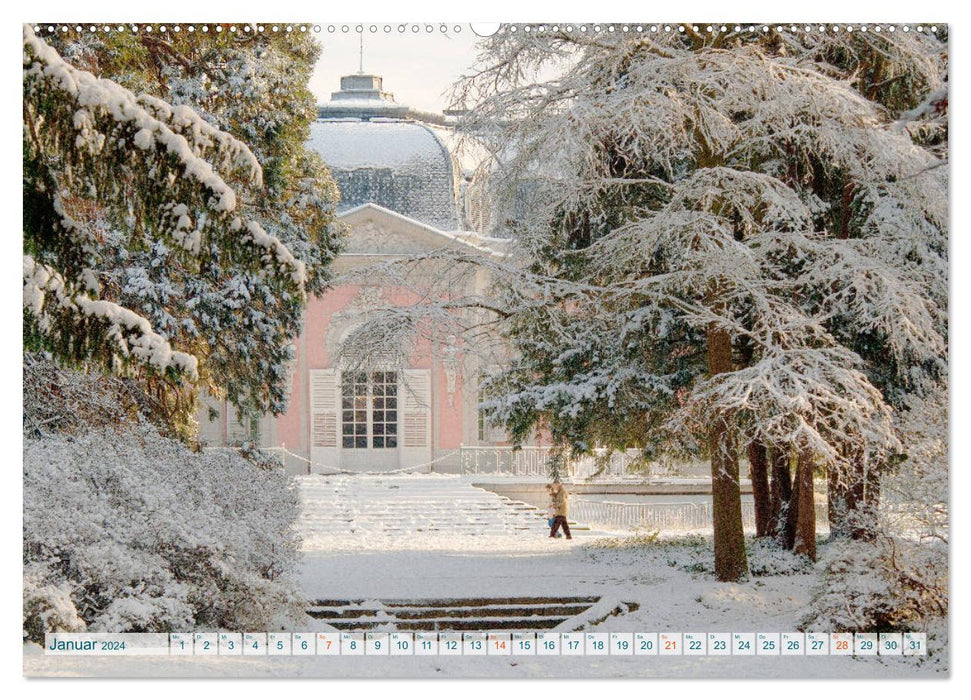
(768, 557)
(138, 533)
(58, 400)
(898, 579)
(855, 592)
(888, 583)
(47, 607)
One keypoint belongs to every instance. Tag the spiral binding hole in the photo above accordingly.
(512, 29)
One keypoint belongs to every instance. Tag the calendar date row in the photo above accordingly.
(490, 644)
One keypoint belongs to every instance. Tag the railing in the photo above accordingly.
(664, 517)
(535, 462)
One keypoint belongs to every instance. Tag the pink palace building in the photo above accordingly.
(403, 191)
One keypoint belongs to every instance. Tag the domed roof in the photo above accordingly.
(400, 165)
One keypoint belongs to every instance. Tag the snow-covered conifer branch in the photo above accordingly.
(59, 311)
(86, 131)
(815, 399)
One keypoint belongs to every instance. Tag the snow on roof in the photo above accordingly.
(382, 143)
(492, 246)
(362, 103)
(400, 165)
(469, 153)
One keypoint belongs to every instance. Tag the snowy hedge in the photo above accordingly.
(126, 530)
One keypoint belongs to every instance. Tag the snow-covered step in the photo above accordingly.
(409, 509)
(456, 614)
(451, 624)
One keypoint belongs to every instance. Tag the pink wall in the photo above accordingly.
(312, 353)
(449, 409)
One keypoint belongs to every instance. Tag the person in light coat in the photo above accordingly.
(560, 510)
(550, 510)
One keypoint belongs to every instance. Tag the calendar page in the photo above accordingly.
(514, 350)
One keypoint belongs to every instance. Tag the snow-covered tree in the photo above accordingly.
(732, 244)
(903, 71)
(197, 209)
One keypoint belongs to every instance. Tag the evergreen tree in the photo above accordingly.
(714, 224)
(195, 207)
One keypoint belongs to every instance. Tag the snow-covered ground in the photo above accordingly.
(666, 578)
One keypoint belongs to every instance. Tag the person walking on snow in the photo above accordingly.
(550, 510)
(560, 510)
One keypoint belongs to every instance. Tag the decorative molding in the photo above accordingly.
(370, 237)
(352, 315)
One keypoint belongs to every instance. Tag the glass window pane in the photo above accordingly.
(375, 394)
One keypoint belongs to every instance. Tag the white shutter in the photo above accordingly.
(416, 417)
(324, 423)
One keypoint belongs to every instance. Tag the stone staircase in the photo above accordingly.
(412, 506)
(452, 614)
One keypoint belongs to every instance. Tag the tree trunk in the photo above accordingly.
(855, 490)
(837, 503)
(863, 495)
(726, 497)
(873, 488)
(804, 541)
(781, 493)
(759, 472)
(792, 512)
(864, 519)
